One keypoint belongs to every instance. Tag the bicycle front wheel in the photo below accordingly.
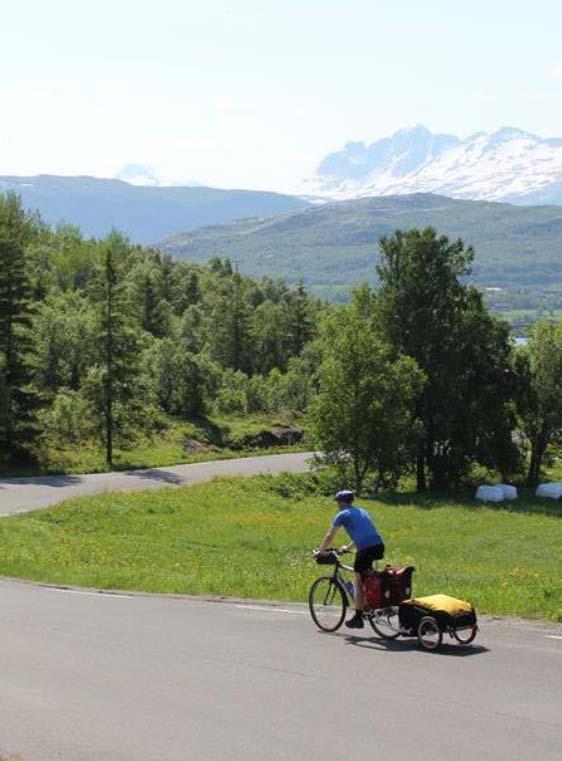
(327, 602)
(386, 622)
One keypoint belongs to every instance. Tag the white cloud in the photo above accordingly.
(556, 72)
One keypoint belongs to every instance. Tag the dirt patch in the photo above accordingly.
(267, 438)
(192, 446)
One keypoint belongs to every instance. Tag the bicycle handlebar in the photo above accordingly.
(331, 550)
(327, 551)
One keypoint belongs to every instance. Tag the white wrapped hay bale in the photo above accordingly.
(551, 491)
(489, 493)
(509, 492)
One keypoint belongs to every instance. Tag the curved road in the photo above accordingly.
(23, 494)
(102, 677)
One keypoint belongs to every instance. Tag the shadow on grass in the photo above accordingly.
(214, 434)
(526, 503)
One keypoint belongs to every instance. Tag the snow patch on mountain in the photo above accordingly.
(507, 165)
(145, 176)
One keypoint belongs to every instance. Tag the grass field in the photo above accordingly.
(243, 538)
(219, 438)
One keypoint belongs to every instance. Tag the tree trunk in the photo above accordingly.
(421, 481)
(538, 449)
(359, 474)
(9, 390)
(109, 368)
(531, 474)
(109, 433)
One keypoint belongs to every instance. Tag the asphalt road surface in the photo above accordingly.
(23, 494)
(88, 676)
(101, 677)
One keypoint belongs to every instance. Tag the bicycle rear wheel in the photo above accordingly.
(327, 602)
(386, 622)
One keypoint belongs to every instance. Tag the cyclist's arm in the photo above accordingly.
(348, 547)
(329, 538)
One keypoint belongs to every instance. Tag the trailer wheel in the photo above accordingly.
(430, 635)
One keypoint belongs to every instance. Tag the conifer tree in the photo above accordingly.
(154, 313)
(231, 332)
(301, 326)
(19, 399)
(114, 393)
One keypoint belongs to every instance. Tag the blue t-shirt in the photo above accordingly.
(359, 525)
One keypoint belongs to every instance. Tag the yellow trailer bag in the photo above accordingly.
(442, 604)
(449, 612)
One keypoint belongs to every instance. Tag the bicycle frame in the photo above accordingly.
(340, 579)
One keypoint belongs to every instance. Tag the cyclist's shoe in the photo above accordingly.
(356, 622)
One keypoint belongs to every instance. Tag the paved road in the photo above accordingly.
(92, 677)
(22, 494)
(89, 677)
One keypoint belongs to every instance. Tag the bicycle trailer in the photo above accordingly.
(429, 618)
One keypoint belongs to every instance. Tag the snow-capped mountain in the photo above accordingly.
(507, 165)
(138, 174)
(145, 176)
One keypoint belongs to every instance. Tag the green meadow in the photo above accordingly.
(253, 538)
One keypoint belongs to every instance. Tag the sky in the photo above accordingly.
(254, 93)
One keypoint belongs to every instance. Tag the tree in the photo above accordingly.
(182, 381)
(301, 326)
(427, 312)
(113, 383)
(187, 292)
(269, 331)
(364, 406)
(167, 277)
(539, 397)
(230, 330)
(154, 312)
(63, 338)
(19, 400)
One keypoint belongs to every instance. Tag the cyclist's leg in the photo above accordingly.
(361, 564)
(359, 593)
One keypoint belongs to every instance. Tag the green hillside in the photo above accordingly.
(334, 246)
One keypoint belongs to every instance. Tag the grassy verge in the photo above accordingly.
(244, 538)
(214, 438)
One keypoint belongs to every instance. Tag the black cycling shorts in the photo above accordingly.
(364, 558)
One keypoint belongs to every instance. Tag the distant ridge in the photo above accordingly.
(335, 246)
(144, 213)
(507, 165)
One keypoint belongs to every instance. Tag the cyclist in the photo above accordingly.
(367, 541)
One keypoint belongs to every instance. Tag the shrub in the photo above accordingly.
(68, 420)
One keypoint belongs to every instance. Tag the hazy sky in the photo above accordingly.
(253, 93)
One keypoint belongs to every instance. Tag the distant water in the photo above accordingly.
(521, 341)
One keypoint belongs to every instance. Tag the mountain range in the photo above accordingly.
(143, 212)
(508, 165)
(333, 246)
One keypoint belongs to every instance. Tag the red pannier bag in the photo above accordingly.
(372, 584)
(396, 584)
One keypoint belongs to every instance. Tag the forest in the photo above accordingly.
(105, 344)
